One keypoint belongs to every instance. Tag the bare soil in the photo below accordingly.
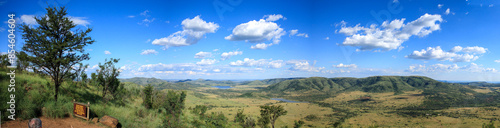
(53, 123)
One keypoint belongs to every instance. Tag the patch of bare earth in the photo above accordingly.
(53, 123)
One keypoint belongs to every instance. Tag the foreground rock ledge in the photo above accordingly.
(109, 121)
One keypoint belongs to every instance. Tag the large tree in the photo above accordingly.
(55, 45)
(269, 114)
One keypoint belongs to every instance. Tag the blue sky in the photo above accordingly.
(243, 39)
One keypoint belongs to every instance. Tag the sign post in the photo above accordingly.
(81, 110)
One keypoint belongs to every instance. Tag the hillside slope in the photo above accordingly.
(373, 84)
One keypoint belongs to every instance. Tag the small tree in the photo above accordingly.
(249, 123)
(240, 117)
(107, 77)
(54, 46)
(173, 104)
(269, 114)
(148, 93)
(298, 124)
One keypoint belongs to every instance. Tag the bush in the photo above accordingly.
(61, 108)
(311, 117)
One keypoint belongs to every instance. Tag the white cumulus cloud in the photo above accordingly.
(469, 54)
(267, 63)
(341, 65)
(273, 17)
(303, 65)
(227, 55)
(257, 32)
(107, 52)
(30, 20)
(436, 68)
(206, 62)
(390, 35)
(193, 30)
(440, 5)
(201, 55)
(149, 51)
(498, 61)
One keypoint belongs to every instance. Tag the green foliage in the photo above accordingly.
(58, 109)
(173, 103)
(311, 117)
(489, 125)
(249, 122)
(240, 117)
(298, 124)
(54, 46)
(269, 114)
(216, 120)
(199, 110)
(107, 77)
(148, 93)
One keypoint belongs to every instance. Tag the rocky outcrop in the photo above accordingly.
(109, 121)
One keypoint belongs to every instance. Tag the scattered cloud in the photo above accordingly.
(258, 32)
(147, 20)
(437, 68)
(201, 55)
(303, 35)
(30, 20)
(215, 50)
(193, 30)
(107, 52)
(395, 1)
(206, 62)
(296, 32)
(448, 12)
(390, 35)
(293, 32)
(149, 51)
(145, 13)
(491, 5)
(261, 46)
(498, 61)
(227, 55)
(345, 65)
(273, 17)
(266, 63)
(2, 29)
(303, 65)
(131, 16)
(440, 5)
(470, 54)
(327, 38)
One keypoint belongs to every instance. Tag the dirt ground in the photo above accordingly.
(53, 123)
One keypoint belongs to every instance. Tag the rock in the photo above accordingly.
(95, 120)
(109, 121)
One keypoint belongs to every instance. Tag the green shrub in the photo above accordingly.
(62, 108)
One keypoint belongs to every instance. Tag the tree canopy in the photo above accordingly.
(54, 45)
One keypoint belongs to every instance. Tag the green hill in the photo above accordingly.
(142, 80)
(373, 84)
(267, 81)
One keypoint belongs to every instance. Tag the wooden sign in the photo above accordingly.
(81, 110)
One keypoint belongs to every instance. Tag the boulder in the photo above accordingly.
(95, 120)
(109, 121)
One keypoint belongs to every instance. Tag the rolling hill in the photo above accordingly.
(369, 84)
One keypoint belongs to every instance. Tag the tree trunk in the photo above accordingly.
(57, 89)
(272, 124)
